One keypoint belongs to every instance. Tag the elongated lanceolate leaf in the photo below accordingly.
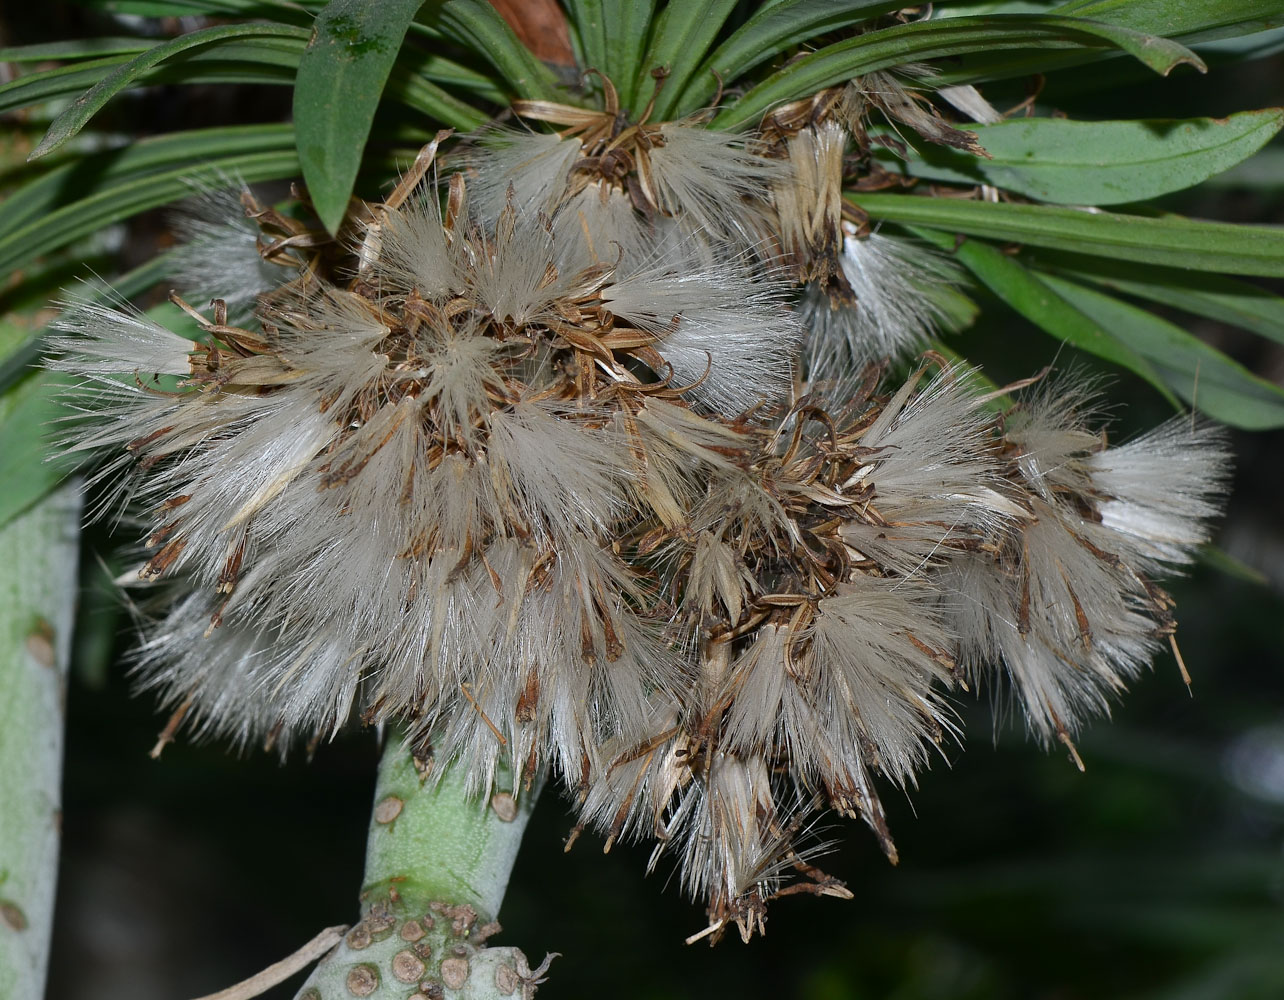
(270, 60)
(79, 48)
(627, 25)
(1180, 17)
(1188, 21)
(1172, 241)
(1227, 300)
(341, 77)
(1038, 303)
(477, 26)
(1100, 163)
(611, 36)
(25, 417)
(58, 185)
(682, 36)
(295, 11)
(921, 40)
(439, 69)
(413, 88)
(44, 214)
(1223, 561)
(128, 197)
(46, 84)
(1200, 374)
(89, 103)
(19, 351)
(589, 23)
(771, 30)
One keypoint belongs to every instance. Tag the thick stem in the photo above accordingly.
(437, 865)
(38, 551)
(433, 841)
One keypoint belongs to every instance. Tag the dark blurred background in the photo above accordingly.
(1159, 873)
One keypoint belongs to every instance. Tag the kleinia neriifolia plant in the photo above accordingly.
(623, 444)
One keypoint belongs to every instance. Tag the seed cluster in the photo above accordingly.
(600, 468)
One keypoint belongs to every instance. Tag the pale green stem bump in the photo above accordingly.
(38, 551)
(437, 864)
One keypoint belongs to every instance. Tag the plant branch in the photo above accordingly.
(438, 861)
(38, 552)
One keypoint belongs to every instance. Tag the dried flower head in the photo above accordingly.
(540, 477)
(474, 423)
(1064, 597)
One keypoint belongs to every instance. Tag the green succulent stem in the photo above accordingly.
(438, 860)
(38, 557)
(432, 840)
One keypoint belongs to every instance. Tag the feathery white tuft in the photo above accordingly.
(218, 254)
(1064, 603)
(114, 339)
(534, 165)
(935, 481)
(712, 180)
(1160, 490)
(901, 290)
(413, 253)
(723, 323)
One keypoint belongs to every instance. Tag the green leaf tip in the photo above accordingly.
(1068, 162)
(76, 116)
(341, 78)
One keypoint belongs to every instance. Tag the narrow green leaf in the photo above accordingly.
(954, 8)
(589, 21)
(1034, 300)
(130, 196)
(476, 26)
(19, 350)
(27, 411)
(1227, 300)
(1189, 21)
(1179, 17)
(341, 78)
(408, 86)
(682, 35)
(1200, 374)
(1242, 48)
(769, 32)
(1220, 559)
(74, 118)
(296, 11)
(79, 48)
(33, 201)
(627, 24)
(1100, 163)
(246, 60)
(464, 79)
(35, 88)
(1172, 241)
(954, 36)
